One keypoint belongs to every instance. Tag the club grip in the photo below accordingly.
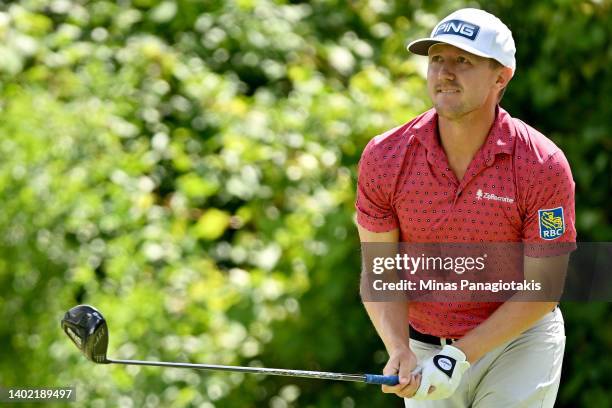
(382, 379)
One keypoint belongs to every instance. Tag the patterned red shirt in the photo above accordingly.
(516, 177)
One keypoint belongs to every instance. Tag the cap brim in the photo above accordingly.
(421, 46)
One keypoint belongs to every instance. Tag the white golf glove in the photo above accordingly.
(443, 371)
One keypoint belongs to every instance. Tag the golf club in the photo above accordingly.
(87, 328)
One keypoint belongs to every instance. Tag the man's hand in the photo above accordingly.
(443, 372)
(402, 362)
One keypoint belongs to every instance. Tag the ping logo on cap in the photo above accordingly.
(458, 27)
(552, 223)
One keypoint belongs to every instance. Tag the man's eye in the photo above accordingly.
(436, 58)
(462, 60)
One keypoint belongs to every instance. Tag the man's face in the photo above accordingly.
(459, 82)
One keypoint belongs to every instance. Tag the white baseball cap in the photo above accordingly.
(474, 31)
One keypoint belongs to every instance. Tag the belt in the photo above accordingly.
(435, 340)
(429, 339)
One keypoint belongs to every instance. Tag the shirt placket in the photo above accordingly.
(438, 160)
(477, 165)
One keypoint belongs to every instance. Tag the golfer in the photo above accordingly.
(466, 171)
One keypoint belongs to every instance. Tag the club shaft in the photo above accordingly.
(251, 370)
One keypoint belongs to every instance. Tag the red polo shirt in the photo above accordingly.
(518, 188)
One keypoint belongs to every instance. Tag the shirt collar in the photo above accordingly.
(500, 139)
(501, 136)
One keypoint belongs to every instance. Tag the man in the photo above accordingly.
(466, 171)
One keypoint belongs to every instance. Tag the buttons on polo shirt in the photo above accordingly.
(457, 193)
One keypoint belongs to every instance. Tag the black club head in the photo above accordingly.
(86, 327)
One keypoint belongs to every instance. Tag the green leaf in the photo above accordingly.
(212, 224)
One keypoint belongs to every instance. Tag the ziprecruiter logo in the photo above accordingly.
(480, 195)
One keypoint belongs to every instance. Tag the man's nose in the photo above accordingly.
(445, 72)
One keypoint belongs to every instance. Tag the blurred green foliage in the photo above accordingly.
(189, 168)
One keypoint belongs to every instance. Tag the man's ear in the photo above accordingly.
(504, 76)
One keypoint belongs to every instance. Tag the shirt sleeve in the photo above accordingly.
(549, 223)
(375, 191)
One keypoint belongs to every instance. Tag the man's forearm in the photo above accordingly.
(391, 322)
(506, 323)
(516, 315)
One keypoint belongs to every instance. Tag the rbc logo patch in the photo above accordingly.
(552, 223)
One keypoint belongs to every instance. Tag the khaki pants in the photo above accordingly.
(523, 373)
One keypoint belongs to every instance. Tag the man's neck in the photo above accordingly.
(461, 138)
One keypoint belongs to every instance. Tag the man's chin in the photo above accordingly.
(450, 112)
